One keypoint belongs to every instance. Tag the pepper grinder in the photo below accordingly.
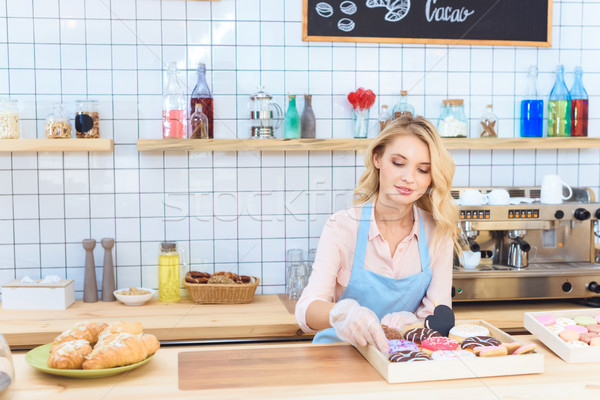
(108, 271)
(90, 288)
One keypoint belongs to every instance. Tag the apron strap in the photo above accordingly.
(362, 237)
(423, 247)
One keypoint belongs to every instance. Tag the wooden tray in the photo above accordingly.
(531, 363)
(555, 343)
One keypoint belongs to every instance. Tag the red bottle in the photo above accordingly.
(201, 95)
(579, 106)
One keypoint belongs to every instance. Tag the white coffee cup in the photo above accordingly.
(473, 197)
(498, 197)
(552, 190)
(470, 259)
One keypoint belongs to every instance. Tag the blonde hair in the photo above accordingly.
(437, 200)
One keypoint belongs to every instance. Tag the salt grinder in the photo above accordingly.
(108, 271)
(90, 288)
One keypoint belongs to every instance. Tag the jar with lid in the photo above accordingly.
(168, 272)
(9, 119)
(87, 119)
(452, 122)
(57, 123)
(488, 122)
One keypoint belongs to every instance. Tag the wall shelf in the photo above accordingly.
(21, 145)
(356, 144)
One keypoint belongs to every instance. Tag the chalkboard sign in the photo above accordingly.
(483, 22)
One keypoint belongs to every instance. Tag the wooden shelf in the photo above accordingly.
(21, 145)
(357, 144)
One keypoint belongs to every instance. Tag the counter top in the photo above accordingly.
(158, 379)
(267, 317)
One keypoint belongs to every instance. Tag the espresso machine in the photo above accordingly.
(529, 250)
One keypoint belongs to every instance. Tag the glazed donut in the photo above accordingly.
(461, 332)
(417, 335)
(408, 356)
(479, 341)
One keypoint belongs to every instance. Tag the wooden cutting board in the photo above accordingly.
(278, 366)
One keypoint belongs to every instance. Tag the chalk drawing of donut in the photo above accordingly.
(378, 3)
(324, 9)
(345, 24)
(348, 7)
(397, 10)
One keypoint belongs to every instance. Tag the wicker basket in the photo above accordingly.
(204, 293)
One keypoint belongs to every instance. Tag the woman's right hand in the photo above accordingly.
(357, 325)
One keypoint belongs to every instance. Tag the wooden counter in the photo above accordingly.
(158, 379)
(265, 318)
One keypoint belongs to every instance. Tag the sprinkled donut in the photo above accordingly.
(428, 346)
(576, 343)
(417, 335)
(408, 356)
(396, 345)
(461, 332)
(555, 329)
(565, 322)
(451, 354)
(479, 341)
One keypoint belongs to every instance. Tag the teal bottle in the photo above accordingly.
(292, 119)
(559, 106)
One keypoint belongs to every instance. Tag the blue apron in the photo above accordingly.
(379, 293)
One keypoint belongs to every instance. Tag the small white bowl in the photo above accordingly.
(133, 300)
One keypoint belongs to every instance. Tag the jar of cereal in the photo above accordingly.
(57, 124)
(9, 119)
(87, 120)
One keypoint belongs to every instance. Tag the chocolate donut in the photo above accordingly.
(417, 335)
(408, 356)
(479, 341)
(391, 333)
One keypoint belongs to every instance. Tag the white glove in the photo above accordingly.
(357, 325)
(399, 320)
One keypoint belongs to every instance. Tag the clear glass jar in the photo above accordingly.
(57, 124)
(9, 119)
(87, 119)
(452, 122)
(7, 370)
(168, 272)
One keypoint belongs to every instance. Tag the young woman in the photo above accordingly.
(390, 256)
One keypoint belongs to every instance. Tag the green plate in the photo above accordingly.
(38, 359)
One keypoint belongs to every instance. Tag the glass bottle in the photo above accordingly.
(307, 120)
(403, 107)
(87, 119)
(488, 123)
(201, 95)
(168, 272)
(452, 122)
(292, 119)
(57, 123)
(174, 106)
(9, 119)
(559, 107)
(198, 124)
(532, 108)
(579, 106)
(384, 117)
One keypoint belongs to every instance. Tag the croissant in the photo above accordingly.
(69, 355)
(135, 328)
(82, 330)
(117, 349)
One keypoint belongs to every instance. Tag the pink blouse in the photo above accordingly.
(335, 255)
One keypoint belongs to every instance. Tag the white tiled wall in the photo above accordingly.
(236, 211)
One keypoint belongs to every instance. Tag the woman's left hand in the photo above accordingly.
(399, 320)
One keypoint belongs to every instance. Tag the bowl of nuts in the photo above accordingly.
(134, 296)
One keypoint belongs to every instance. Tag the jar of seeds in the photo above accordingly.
(87, 120)
(57, 124)
(9, 119)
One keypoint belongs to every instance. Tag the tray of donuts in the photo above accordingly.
(94, 349)
(470, 349)
(573, 335)
(220, 287)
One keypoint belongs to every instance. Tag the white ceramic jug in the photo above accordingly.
(552, 190)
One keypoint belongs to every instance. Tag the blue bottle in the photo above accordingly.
(532, 108)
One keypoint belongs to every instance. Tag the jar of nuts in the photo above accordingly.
(57, 124)
(9, 119)
(87, 120)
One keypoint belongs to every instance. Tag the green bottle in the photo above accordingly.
(292, 119)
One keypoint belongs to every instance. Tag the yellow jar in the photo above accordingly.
(168, 273)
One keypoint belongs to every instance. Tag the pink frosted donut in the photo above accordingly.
(546, 319)
(577, 328)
